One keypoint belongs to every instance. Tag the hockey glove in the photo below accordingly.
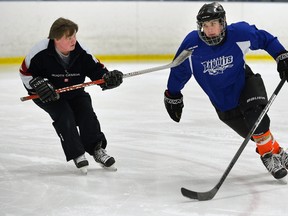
(174, 105)
(44, 89)
(282, 65)
(112, 79)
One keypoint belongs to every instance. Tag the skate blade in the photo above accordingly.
(84, 170)
(111, 168)
(283, 180)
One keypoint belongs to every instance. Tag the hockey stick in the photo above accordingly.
(208, 195)
(177, 61)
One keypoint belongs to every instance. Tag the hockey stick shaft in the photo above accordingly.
(202, 196)
(177, 61)
(65, 89)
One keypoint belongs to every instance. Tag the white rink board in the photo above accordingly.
(120, 28)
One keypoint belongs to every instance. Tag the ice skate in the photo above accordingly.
(274, 165)
(82, 164)
(105, 161)
(284, 157)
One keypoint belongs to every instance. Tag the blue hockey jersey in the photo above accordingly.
(220, 69)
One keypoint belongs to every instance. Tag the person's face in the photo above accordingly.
(212, 28)
(66, 44)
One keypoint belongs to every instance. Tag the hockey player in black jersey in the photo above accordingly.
(60, 61)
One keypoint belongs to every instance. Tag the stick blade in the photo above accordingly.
(182, 57)
(201, 196)
(189, 194)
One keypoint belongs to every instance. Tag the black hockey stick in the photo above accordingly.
(208, 195)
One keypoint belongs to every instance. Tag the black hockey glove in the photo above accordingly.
(44, 89)
(174, 105)
(282, 65)
(112, 79)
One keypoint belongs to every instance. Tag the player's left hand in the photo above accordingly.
(112, 79)
(282, 65)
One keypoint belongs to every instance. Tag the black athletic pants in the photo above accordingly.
(67, 115)
(243, 117)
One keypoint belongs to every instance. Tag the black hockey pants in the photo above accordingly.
(67, 115)
(252, 101)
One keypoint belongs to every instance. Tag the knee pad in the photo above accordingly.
(251, 117)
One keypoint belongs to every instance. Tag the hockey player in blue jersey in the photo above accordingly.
(238, 95)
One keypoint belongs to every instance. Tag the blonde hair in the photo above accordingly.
(61, 27)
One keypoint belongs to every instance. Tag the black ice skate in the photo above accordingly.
(81, 163)
(284, 157)
(273, 164)
(106, 161)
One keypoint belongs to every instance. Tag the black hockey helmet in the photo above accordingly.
(208, 12)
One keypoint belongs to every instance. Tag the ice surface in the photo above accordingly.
(155, 157)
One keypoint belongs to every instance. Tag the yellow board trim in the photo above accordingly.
(133, 58)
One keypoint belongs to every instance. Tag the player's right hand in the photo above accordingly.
(174, 105)
(44, 89)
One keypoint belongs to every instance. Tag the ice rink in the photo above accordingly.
(155, 156)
